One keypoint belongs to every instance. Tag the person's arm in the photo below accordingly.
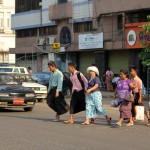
(59, 84)
(50, 83)
(140, 92)
(115, 94)
(84, 80)
(92, 89)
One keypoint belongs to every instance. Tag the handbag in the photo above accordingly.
(139, 113)
(129, 97)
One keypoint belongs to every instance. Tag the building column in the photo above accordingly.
(101, 61)
(39, 63)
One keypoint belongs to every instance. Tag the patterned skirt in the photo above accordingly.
(94, 105)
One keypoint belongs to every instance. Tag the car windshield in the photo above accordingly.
(40, 77)
(24, 78)
(7, 79)
(6, 69)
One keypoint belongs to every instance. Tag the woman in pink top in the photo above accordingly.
(109, 76)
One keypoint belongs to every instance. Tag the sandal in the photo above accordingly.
(93, 120)
(118, 124)
(109, 121)
(68, 122)
(85, 123)
(130, 124)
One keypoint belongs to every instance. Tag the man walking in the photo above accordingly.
(79, 85)
(55, 99)
(138, 100)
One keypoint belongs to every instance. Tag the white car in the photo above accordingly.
(27, 81)
(21, 70)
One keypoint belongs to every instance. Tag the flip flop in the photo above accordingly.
(85, 123)
(130, 124)
(118, 124)
(68, 122)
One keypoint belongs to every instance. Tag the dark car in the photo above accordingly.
(14, 95)
(43, 78)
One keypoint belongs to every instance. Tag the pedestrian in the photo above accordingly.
(79, 86)
(94, 98)
(55, 98)
(29, 70)
(138, 100)
(124, 87)
(109, 77)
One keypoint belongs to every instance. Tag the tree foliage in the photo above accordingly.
(145, 54)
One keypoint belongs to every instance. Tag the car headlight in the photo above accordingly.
(30, 95)
(43, 89)
(4, 95)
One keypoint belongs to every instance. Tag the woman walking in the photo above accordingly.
(94, 98)
(124, 87)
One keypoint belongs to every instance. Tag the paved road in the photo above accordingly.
(35, 130)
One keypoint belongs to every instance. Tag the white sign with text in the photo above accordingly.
(90, 41)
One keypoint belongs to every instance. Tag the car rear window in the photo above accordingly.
(6, 69)
(22, 70)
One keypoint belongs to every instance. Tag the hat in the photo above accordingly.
(93, 68)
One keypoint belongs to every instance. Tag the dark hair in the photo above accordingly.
(124, 72)
(93, 65)
(52, 63)
(29, 68)
(72, 64)
(108, 68)
(134, 68)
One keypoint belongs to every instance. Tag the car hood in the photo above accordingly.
(28, 84)
(15, 89)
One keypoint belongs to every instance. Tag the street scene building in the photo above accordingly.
(7, 36)
(86, 30)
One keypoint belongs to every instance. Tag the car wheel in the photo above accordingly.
(28, 109)
(68, 92)
(40, 100)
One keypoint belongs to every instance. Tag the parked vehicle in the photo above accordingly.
(27, 81)
(21, 70)
(14, 95)
(43, 78)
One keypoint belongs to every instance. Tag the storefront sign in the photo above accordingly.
(91, 41)
(56, 45)
(134, 35)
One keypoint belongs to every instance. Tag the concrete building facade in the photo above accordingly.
(7, 36)
(72, 23)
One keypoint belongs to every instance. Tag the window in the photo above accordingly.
(62, 1)
(26, 33)
(78, 27)
(65, 36)
(27, 5)
(137, 16)
(120, 22)
(2, 20)
(22, 70)
(16, 70)
(83, 27)
(8, 19)
(87, 26)
(51, 30)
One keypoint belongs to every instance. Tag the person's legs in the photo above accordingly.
(119, 123)
(72, 106)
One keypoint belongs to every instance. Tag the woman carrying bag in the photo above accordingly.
(94, 98)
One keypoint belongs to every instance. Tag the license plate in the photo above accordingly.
(30, 103)
(18, 101)
(3, 103)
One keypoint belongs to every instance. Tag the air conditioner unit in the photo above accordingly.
(40, 41)
(50, 40)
